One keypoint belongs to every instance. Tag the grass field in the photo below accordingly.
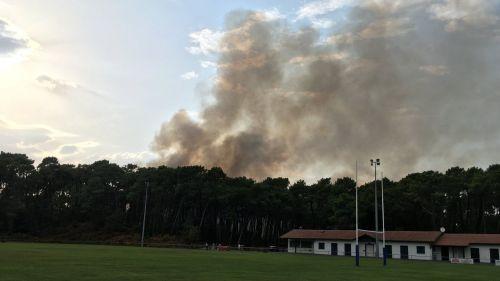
(55, 262)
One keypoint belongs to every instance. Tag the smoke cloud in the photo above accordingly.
(407, 82)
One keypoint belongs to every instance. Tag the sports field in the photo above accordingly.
(39, 262)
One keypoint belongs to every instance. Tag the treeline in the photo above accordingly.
(193, 204)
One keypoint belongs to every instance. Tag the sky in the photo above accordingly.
(91, 80)
(95, 79)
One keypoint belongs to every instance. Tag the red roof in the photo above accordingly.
(320, 234)
(435, 237)
(415, 236)
(453, 239)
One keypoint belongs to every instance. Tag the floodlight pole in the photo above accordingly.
(383, 221)
(376, 163)
(357, 239)
(144, 214)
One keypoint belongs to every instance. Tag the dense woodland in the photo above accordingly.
(197, 205)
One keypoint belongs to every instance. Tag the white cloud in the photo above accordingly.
(68, 149)
(437, 70)
(272, 14)
(40, 141)
(189, 75)
(15, 45)
(55, 85)
(49, 131)
(205, 41)
(130, 157)
(59, 86)
(475, 13)
(321, 23)
(207, 64)
(59, 148)
(321, 7)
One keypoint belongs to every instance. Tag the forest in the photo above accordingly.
(104, 201)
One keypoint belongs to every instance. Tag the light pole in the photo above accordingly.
(376, 163)
(384, 251)
(144, 215)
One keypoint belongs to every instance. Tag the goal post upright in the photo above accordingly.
(357, 239)
(384, 250)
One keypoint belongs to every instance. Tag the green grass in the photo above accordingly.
(39, 262)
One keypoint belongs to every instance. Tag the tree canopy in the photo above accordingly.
(195, 204)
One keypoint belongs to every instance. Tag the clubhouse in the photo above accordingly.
(415, 245)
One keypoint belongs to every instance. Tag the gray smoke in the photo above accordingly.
(408, 82)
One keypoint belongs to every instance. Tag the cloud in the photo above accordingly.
(68, 149)
(9, 41)
(189, 75)
(54, 85)
(207, 64)
(130, 157)
(472, 13)
(321, 7)
(437, 70)
(39, 141)
(65, 149)
(272, 14)
(15, 46)
(62, 87)
(205, 41)
(47, 130)
(321, 23)
(30, 138)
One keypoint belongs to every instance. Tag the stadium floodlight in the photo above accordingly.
(376, 163)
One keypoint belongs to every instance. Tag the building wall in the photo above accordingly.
(484, 252)
(455, 252)
(328, 247)
(396, 252)
(412, 250)
(430, 253)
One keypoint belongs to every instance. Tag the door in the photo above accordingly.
(369, 250)
(445, 253)
(494, 255)
(388, 248)
(404, 252)
(474, 255)
(347, 249)
(334, 249)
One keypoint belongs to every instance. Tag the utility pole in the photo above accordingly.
(144, 215)
(376, 163)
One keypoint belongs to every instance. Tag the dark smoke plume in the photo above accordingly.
(403, 81)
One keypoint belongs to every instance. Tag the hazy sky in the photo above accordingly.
(94, 79)
(84, 80)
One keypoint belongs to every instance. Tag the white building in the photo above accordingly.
(416, 245)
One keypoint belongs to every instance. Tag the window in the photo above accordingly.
(421, 250)
(321, 245)
(294, 243)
